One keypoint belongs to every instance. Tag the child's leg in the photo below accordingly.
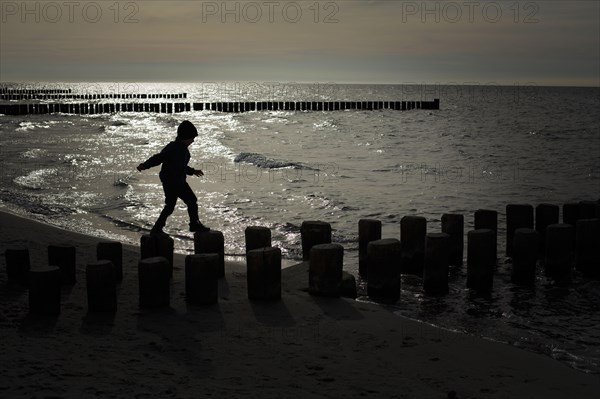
(171, 194)
(190, 199)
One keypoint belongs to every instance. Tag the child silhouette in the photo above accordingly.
(174, 158)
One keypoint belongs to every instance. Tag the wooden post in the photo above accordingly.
(257, 237)
(348, 288)
(488, 219)
(112, 251)
(17, 265)
(264, 273)
(437, 255)
(587, 248)
(587, 209)
(383, 266)
(525, 255)
(44, 291)
(154, 286)
(325, 270)
(453, 225)
(314, 233)
(480, 259)
(517, 216)
(64, 258)
(545, 215)
(211, 242)
(152, 245)
(413, 230)
(559, 251)
(571, 213)
(101, 286)
(202, 279)
(368, 230)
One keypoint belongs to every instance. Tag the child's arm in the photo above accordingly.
(193, 172)
(154, 160)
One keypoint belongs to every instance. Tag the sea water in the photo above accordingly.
(486, 147)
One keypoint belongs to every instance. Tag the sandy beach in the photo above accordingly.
(299, 347)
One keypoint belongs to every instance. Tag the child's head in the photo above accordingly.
(186, 132)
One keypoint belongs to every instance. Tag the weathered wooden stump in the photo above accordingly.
(435, 272)
(545, 215)
(112, 251)
(153, 245)
(64, 258)
(453, 225)
(257, 237)
(314, 233)
(384, 269)
(587, 247)
(154, 285)
(368, 230)
(480, 259)
(488, 219)
(413, 230)
(559, 251)
(101, 286)
(571, 213)
(264, 273)
(325, 270)
(44, 290)
(202, 279)
(517, 216)
(211, 242)
(17, 265)
(348, 288)
(587, 209)
(525, 255)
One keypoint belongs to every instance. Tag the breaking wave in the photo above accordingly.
(268, 163)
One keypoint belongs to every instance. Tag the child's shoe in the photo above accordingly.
(157, 232)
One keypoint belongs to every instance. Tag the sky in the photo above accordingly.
(348, 41)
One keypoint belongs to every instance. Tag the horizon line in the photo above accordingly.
(476, 84)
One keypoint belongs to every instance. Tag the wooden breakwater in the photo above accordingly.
(236, 106)
(535, 237)
(6, 90)
(67, 95)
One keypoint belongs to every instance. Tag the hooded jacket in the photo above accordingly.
(174, 159)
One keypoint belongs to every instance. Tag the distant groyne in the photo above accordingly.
(101, 106)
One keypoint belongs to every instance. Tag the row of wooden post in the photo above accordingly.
(45, 282)
(69, 96)
(103, 108)
(558, 247)
(155, 269)
(6, 90)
